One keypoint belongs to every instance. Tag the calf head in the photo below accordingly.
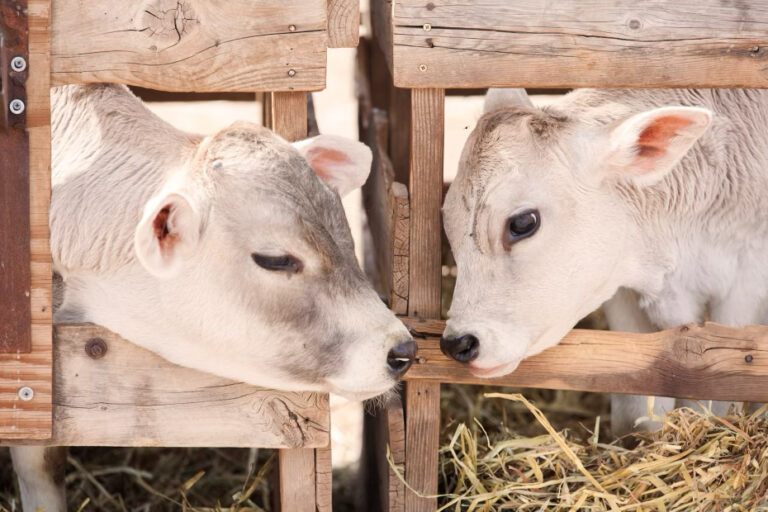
(251, 249)
(539, 224)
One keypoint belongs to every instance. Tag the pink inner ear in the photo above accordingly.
(654, 139)
(323, 160)
(160, 226)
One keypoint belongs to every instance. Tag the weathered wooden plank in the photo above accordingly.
(31, 419)
(393, 438)
(710, 361)
(422, 406)
(288, 114)
(297, 480)
(323, 480)
(343, 23)
(192, 45)
(591, 43)
(110, 392)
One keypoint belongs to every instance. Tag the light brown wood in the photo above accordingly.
(592, 43)
(32, 419)
(343, 23)
(297, 480)
(192, 45)
(387, 210)
(393, 430)
(288, 114)
(422, 407)
(132, 397)
(323, 480)
(710, 361)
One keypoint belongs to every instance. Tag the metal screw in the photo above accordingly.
(96, 348)
(18, 64)
(26, 393)
(291, 72)
(422, 67)
(748, 358)
(427, 27)
(16, 106)
(292, 28)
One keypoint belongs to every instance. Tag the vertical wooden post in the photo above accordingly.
(304, 474)
(31, 417)
(422, 410)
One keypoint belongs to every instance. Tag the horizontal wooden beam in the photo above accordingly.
(110, 392)
(191, 45)
(709, 361)
(591, 43)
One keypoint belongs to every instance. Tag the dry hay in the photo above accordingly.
(696, 462)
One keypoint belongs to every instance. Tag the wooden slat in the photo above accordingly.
(323, 480)
(32, 419)
(132, 397)
(297, 480)
(288, 114)
(710, 361)
(590, 43)
(343, 23)
(191, 45)
(393, 429)
(422, 407)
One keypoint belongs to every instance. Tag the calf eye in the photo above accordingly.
(521, 225)
(286, 263)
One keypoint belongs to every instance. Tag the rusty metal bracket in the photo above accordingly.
(15, 273)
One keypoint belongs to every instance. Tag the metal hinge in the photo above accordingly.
(14, 67)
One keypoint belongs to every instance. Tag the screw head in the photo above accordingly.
(427, 27)
(18, 64)
(291, 72)
(422, 67)
(16, 106)
(26, 393)
(96, 348)
(748, 358)
(292, 28)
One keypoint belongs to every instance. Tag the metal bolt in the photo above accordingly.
(18, 64)
(291, 72)
(422, 67)
(748, 358)
(427, 27)
(26, 393)
(16, 106)
(292, 28)
(96, 348)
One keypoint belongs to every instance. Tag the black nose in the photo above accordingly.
(401, 357)
(463, 349)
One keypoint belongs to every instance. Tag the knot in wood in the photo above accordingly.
(166, 21)
(96, 348)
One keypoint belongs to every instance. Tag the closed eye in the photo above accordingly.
(285, 263)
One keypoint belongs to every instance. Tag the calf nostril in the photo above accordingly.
(400, 357)
(463, 349)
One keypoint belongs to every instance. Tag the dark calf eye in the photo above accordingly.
(286, 263)
(521, 225)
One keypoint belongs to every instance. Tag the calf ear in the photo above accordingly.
(645, 147)
(344, 164)
(497, 98)
(167, 234)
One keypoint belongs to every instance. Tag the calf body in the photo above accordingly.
(655, 195)
(230, 254)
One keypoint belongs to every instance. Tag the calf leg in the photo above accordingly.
(41, 470)
(624, 314)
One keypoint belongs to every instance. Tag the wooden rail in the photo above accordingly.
(589, 43)
(110, 392)
(709, 361)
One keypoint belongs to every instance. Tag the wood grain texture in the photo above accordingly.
(422, 407)
(297, 480)
(591, 43)
(343, 23)
(32, 419)
(132, 397)
(288, 114)
(709, 361)
(393, 438)
(192, 45)
(323, 480)
(387, 210)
